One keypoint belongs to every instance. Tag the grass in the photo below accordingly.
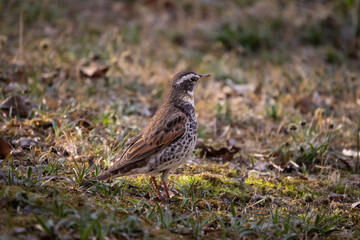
(292, 125)
(188, 213)
(232, 36)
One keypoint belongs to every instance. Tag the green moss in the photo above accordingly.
(260, 183)
(222, 169)
(288, 187)
(212, 186)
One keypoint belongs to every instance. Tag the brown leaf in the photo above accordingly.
(337, 197)
(13, 73)
(240, 89)
(355, 204)
(224, 153)
(350, 153)
(345, 162)
(41, 122)
(17, 105)
(303, 177)
(5, 148)
(25, 142)
(94, 70)
(305, 105)
(85, 124)
(48, 76)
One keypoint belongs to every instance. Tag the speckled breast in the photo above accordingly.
(179, 151)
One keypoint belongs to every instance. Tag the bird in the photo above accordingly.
(167, 140)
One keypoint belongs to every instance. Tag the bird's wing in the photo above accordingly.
(154, 138)
(158, 136)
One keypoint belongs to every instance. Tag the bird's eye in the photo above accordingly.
(194, 79)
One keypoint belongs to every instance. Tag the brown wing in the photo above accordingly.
(159, 133)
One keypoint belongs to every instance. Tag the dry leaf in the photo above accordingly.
(4, 148)
(41, 122)
(85, 124)
(224, 153)
(94, 70)
(337, 197)
(346, 162)
(48, 76)
(25, 142)
(17, 105)
(305, 105)
(355, 204)
(241, 89)
(13, 73)
(350, 153)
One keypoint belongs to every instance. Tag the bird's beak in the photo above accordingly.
(203, 76)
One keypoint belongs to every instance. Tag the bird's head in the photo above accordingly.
(183, 85)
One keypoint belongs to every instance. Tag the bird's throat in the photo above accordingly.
(189, 98)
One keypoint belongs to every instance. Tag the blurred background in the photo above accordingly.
(273, 63)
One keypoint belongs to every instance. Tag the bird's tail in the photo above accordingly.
(104, 176)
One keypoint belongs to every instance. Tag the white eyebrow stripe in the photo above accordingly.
(186, 77)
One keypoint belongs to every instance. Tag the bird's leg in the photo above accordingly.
(164, 178)
(156, 186)
(166, 188)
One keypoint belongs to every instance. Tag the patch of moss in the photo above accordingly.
(260, 183)
(222, 169)
(213, 185)
(288, 186)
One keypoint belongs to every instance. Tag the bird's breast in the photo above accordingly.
(177, 152)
